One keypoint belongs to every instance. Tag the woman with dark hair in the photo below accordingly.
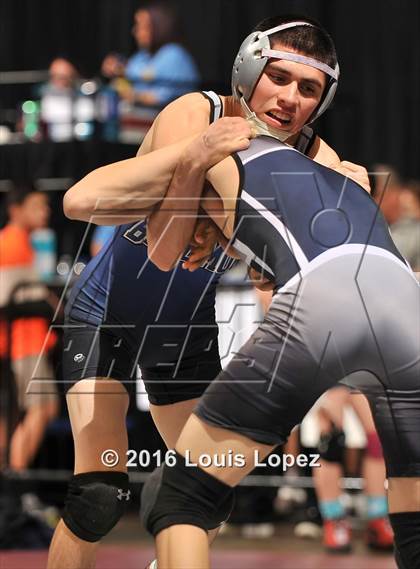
(162, 69)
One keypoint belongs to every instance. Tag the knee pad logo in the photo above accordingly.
(78, 358)
(122, 494)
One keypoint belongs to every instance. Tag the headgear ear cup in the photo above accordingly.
(328, 96)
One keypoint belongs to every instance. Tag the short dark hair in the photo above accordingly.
(19, 192)
(313, 41)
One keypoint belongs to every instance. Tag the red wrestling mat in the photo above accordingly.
(131, 557)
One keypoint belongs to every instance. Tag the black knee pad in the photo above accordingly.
(331, 445)
(150, 493)
(184, 494)
(223, 512)
(398, 560)
(406, 528)
(95, 502)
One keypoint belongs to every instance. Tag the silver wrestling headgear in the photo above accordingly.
(249, 64)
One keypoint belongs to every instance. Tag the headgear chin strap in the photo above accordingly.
(253, 56)
(260, 127)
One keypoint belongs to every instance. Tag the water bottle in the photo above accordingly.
(56, 113)
(108, 113)
(30, 120)
(84, 111)
(45, 249)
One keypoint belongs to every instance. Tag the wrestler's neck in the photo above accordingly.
(232, 108)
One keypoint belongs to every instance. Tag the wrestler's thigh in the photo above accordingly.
(361, 407)
(170, 419)
(332, 405)
(403, 494)
(199, 440)
(97, 410)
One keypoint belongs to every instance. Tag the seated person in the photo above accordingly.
(162, 69)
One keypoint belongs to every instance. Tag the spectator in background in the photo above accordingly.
(400, 204)
(162, 69)
(57, 99)
(62, 73)
(27, 210)
(386, 191)
(406, 230)
(336, 526)
(101, 235)
(113, 71)
(112, 84)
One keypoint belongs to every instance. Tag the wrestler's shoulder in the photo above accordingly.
(186, 116)
(192, 108)
(322, 153)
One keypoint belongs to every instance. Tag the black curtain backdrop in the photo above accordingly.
(376, 113)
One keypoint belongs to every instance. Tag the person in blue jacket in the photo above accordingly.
(162, 69)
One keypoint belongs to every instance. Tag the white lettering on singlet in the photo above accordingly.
(218, 262)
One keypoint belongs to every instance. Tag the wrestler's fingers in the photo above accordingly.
(356, 169)
(264, 286)
(242, 144)
(252, 131)
(203, 232)
(197, 257)
(356, 173)
(200, 255)
(352, 166)
(194, 264)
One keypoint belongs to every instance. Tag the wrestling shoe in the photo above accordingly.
(379, 534)
(337, 536)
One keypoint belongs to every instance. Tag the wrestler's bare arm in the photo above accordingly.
(125, 190)
(120, 187)
(172, 222)
(224, 178)
(183, 118)
(219, 204)
(180, 207)
(325, 155)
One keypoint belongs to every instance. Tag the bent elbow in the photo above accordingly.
(164, 267)
(162, 262)
(69, 206)
(160, 256)
(75, 206)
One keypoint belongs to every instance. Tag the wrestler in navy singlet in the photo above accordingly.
(133, 313)
(309, 210)
(347, 305)
(124, 311)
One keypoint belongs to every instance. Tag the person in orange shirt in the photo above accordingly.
(27, 210)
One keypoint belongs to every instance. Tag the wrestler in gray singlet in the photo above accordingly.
(345, 302)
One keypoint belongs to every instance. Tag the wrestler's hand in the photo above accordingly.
(356, 173)
(259, 281)
(224, 136)
(202, 244)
